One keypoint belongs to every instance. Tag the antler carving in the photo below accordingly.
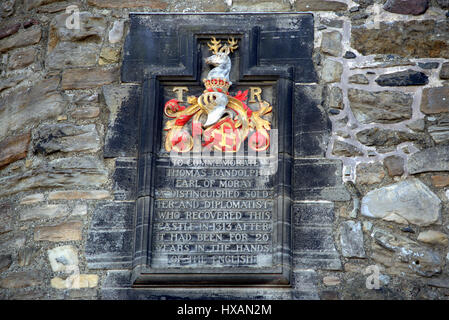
(232, 44)
(215, 45)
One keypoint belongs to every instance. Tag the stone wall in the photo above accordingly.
(383, 83)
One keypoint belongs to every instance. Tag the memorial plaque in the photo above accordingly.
(215, 150)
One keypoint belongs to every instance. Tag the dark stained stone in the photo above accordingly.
(349, 55)
(394, 165)
(414, 7)
(419, 39)
(428, 65)
(435, 100)
(21, 280)
(443, 4)
(9, 30)
(402, 78)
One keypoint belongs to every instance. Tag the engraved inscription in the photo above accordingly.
(213, 213)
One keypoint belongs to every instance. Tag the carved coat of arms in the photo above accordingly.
(216, 119)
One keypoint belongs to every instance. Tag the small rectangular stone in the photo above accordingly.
(79, 194)
(66, 231)
(14, 148)
(440, 181)
(48, 211)
(80, 210)
(86, 113)
(81, 78)
(435, 100)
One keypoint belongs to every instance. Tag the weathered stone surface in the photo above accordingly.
(320, 5)
(440, 131)
(151, 4)
(440, 181)
(26, 256)
(351, 240)
(435, 100)
(21, 59)
(54, 7)
(414, 7)
(11, 241)
(408, 201)
(334, 98)
(394, 165)
(21, 280)
(65, 172)
(23, 38)
(428, 160)
(331, 71)
(345, 149)
(380, 106)
(260, 6)
(331, 43)
(433, 237)
(109, 243)
(443, 4)
(417, 125)
(121, 135)
(7, 8)
(66, 231)
(30, 105)
(92, 28)
(63, 259)
(79, 194)
(49, 211)
(386, 140)
(64, 137)
(403, 78)
(444, 72)
(109, 55)
(14, 148)
(5, 262)
(85, 112)
(76, 282)
(331, 281)
(116, 33)
(72, 54)
(31, 4)
(369, 173)
(358, 79)
(428, 65)
(79, 210)
(32, 198)
(6, 218)
(88, 78)
(9, 30)
(420, 260)
(313, 245)
(420, 39)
